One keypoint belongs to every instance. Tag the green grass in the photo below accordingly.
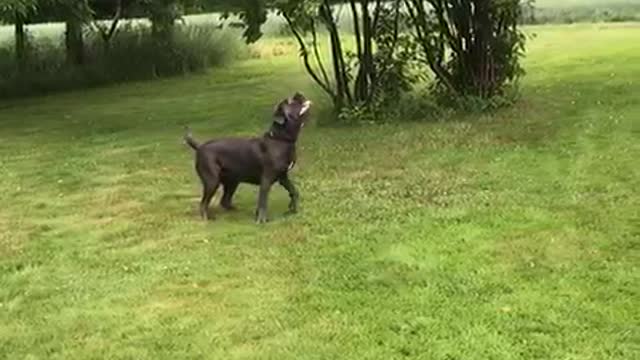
(505, 236)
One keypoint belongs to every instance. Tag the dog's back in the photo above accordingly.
(236, 159)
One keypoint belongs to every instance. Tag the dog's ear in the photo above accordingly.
(299, 97)
(278, 113)
(278, 109)
(280, 120)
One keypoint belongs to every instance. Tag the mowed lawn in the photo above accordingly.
(507, 236)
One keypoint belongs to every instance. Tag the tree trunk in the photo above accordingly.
(163, 16)
(366, 63)
(341, 89)
(21, 42)
(343, 95)
(108, 34)
(74, 42)
(360, 83)
(162, 31)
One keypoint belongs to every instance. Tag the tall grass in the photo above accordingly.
(132, 55)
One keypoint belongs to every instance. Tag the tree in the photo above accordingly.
(253, 13)
(163, 14)
(114, 10)
(77, 14)
(17, 12)
(356, 78)
(472, 46)
(107, 15)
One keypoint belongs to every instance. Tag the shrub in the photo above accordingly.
(473, 47)
(132, 55)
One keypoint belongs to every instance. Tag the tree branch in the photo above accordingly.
(342, 81)
(305, 57)
(417, 13)
(316, 52)
(105, 33)
(396, 31)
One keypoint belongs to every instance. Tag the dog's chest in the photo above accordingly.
(286, 158)
(281, 155)
(292, 159)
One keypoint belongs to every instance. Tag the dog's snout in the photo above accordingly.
(305, 107)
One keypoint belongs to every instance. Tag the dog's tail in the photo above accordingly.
(189, 140)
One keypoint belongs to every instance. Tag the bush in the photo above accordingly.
(132, 55)
(473, 48)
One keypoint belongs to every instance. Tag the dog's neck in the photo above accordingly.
(287, 132)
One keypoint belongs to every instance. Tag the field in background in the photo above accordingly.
(507, 236)
(571, 11)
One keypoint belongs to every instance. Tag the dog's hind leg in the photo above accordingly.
(210, 182)
(294, 195)
(229, 189)
(208, 190)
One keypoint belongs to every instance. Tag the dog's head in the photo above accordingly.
(292, 111)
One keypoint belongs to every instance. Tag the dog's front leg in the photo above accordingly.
(263, 197)
(293, 193)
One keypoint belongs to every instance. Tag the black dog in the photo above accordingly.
(260, 161)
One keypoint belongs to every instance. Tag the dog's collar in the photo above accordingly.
(272, 135)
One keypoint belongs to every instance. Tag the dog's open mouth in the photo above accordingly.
(305, 107)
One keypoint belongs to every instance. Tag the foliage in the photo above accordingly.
(77, 15)
(252, 13)
(108, 30)
(133, 55)
(163, 14)
(17, 12)
(9, 9)
(360, 79)
(164, 51)
(394, 59)
(473, 47)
